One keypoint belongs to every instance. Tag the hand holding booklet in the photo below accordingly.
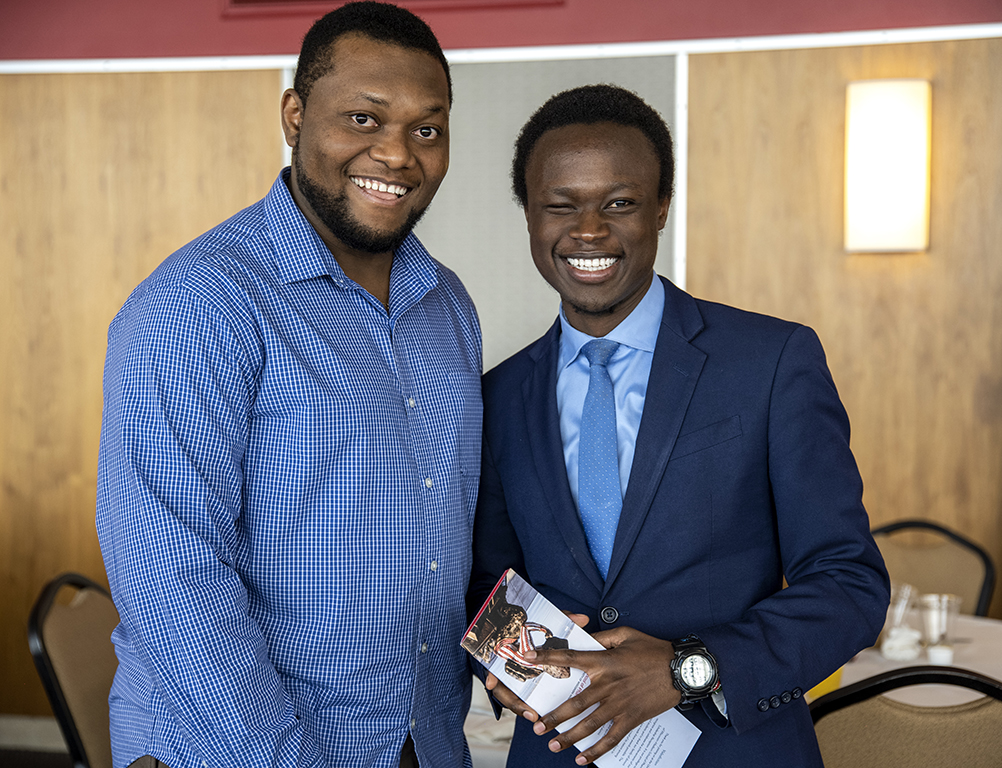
(516, 619)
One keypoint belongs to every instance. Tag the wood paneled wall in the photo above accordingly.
(914, 341)
(101, 177)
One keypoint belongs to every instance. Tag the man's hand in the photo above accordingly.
(631, 682)
(509, 700)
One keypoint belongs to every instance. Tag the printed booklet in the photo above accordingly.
(516, 619)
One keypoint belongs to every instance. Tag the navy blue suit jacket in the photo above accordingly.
(742, 476)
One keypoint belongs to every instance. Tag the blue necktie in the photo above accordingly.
(600, 499)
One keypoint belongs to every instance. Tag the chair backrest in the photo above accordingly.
(69, 634)
(856, 726)
(935, 559)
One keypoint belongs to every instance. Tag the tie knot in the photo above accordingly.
(599, 351)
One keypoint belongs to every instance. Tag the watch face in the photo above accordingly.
(696, 671)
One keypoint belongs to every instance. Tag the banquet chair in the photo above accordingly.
(857, 727)
(69, 634)
(935, 559)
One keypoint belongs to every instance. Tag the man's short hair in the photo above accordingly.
(380, 21)
(590, 104)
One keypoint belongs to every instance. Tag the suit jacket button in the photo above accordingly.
(609, 614)
(763, 705)
(786, 696)
(775, 702)
(797, 693)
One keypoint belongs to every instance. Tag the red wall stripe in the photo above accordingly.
(80, 29)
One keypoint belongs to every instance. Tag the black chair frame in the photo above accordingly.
(987, 586)
(899, 678)
(36, 643)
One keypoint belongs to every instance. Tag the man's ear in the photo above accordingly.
(292, 116)
(663, 212)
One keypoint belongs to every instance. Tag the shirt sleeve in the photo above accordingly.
(179, 382)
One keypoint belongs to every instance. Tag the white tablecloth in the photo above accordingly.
(978, 647)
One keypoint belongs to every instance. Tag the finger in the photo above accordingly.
(586, 727)
(509, 700)
(572, 708)
(612, 638)
(578, 618)
(606, 744)
(562, 657)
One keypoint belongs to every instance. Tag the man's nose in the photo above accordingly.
(392, 149)
(589, 226)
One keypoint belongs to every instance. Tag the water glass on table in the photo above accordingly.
(939, 618)
(900, 641)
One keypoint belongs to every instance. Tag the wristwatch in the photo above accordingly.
(694, 670)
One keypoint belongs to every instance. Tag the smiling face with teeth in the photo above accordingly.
(370, 149)
(594, 217)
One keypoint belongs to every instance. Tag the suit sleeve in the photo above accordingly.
(495, 544)
(495, 549)
(837, 594)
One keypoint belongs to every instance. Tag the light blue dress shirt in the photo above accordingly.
(286, 487)
(629, 368)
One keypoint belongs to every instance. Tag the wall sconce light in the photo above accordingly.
(887, 148)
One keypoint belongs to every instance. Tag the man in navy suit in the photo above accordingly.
(734, 471)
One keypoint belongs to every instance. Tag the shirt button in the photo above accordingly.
(411, 402)
(609, 615)
(434, 565)
(424, 647)
(413, 723)
(428, 482)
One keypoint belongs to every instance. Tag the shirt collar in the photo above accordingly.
(639, 330)
(301, 254)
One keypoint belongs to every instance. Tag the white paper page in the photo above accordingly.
(515, 618)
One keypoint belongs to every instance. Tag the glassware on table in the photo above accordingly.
(939, 618)
(901, 641)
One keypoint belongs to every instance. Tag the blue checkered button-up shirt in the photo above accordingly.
(287, 480)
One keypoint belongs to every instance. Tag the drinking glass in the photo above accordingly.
(939, 617)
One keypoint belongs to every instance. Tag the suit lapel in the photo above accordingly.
(543, 425)
(675, 370)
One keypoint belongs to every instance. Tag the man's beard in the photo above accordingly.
(334, 213)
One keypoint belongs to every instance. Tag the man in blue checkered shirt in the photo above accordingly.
(290, 449)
